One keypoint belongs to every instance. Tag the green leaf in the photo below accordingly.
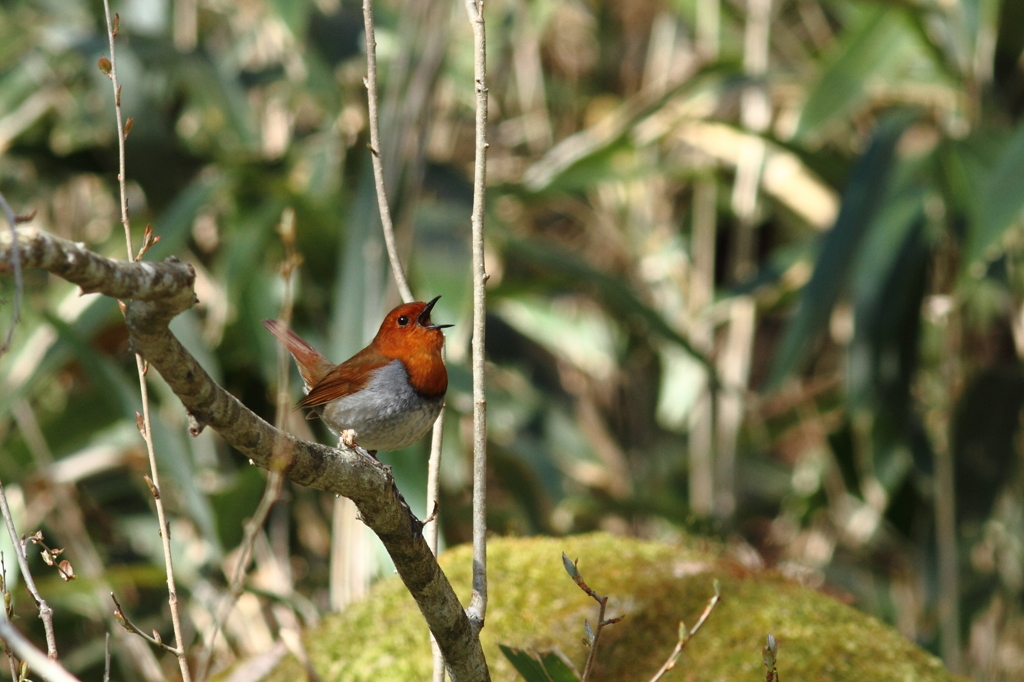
(1002, 199)
(526, 664)
(840, 245)
(545, 666)
(294, 13)
(571, 270)
(558, 667)
(862, 56)
(886, 284)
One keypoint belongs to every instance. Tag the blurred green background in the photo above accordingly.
(754, 274)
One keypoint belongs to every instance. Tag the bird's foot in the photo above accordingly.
(348, 438)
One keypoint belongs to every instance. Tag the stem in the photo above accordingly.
(431, 528)
(172, 592)
(592, 656)
(127, 624)
(478, 602)
(685, 636)
(378, 168)
(401, 282)
(45, 612)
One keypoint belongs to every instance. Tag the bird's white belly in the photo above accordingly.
(388, 414)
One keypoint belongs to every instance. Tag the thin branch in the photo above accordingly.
(339, 471)
(109, 67)
(45, 612)
(685, 635)
(431, 525)
(12, 223)
(378, 168)
(401, 282)
(593, 636)
(147, 431)
(128, 625)
(478, 602)
(272, 490)
(70, 526)
(48, 669)
(106, 658)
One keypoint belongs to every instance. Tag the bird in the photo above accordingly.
(386, 396)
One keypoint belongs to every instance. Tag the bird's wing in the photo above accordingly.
(345, 379)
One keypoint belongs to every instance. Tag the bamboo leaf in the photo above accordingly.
(840, 245)
(1002, 200)
(842, 85)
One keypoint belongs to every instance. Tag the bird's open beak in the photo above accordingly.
(424, 317)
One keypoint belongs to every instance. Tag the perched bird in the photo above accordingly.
(390, 392)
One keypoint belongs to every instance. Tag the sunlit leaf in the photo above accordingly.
(842, 85)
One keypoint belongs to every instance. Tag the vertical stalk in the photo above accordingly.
(375, 150)
(141, 365)
(478, 602)
(755, 114)
(944, 499)
(702, 288)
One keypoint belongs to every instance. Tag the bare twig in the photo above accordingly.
(70, 527)
(48, 669)
(12, 221)
(106, 658)
(110, 68)
(401, 282)
(272, 490)
(45, 612)
(128, 625)
(378, 168)
(685, 635)
(478, 602)
(432, 523)
(12, 662)
(593, 636)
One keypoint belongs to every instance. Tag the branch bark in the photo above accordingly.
(159, 291)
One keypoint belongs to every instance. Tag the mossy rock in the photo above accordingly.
(533, 603)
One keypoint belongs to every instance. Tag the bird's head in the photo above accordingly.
(408, 334)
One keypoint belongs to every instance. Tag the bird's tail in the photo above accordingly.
(312, 365)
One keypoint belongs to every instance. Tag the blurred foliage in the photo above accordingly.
(819, 335)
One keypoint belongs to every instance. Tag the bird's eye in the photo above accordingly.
(403, 321)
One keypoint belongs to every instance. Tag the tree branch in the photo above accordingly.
(158, 292)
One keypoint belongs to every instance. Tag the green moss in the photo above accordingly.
(534, 603)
